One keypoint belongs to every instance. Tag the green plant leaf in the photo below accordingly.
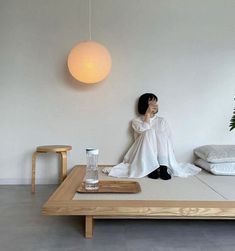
(232, 121)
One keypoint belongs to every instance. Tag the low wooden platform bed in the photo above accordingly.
(204, 196)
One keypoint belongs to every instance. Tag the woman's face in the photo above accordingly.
(153, 103)
(156, 108)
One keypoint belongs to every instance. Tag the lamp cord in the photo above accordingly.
(89, 18)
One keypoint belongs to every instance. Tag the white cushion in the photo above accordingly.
(216, 153)
(217, 168)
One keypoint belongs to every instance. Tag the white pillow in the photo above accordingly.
(216, 153)
(218, 168)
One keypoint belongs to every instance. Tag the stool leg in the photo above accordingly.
(33, 171)
(63, 173)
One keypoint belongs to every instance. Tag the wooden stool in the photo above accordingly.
(61, 149)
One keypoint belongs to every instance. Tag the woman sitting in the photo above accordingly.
(152, 153)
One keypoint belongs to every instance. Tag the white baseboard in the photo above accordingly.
(26, 181)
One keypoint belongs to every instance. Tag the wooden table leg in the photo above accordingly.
(63, 170)
(33, 171)
(89, 226)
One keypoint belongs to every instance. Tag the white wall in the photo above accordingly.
(182, 50)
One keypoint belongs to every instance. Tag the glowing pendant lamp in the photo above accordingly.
(89, 62)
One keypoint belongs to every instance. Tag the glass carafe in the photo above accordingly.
(92, 178)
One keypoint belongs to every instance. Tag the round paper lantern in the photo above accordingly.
(89, 62)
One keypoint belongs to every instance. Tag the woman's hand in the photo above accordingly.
(152, 108)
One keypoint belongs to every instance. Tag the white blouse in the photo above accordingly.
(152, 147)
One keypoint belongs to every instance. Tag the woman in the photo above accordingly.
(151, 153)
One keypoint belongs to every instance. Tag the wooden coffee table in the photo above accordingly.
(66, 201)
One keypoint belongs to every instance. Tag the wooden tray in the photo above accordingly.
(113, 186)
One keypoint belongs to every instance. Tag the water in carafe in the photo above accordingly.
(92, 178)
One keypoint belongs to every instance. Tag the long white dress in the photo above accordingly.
(152, 147)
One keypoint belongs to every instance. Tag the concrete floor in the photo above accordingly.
(23, 228)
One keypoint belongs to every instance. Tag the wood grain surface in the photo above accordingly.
(113, 186)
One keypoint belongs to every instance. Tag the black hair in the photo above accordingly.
(143, 102)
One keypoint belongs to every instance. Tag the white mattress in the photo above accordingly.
(224, 185)
(203, 186)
